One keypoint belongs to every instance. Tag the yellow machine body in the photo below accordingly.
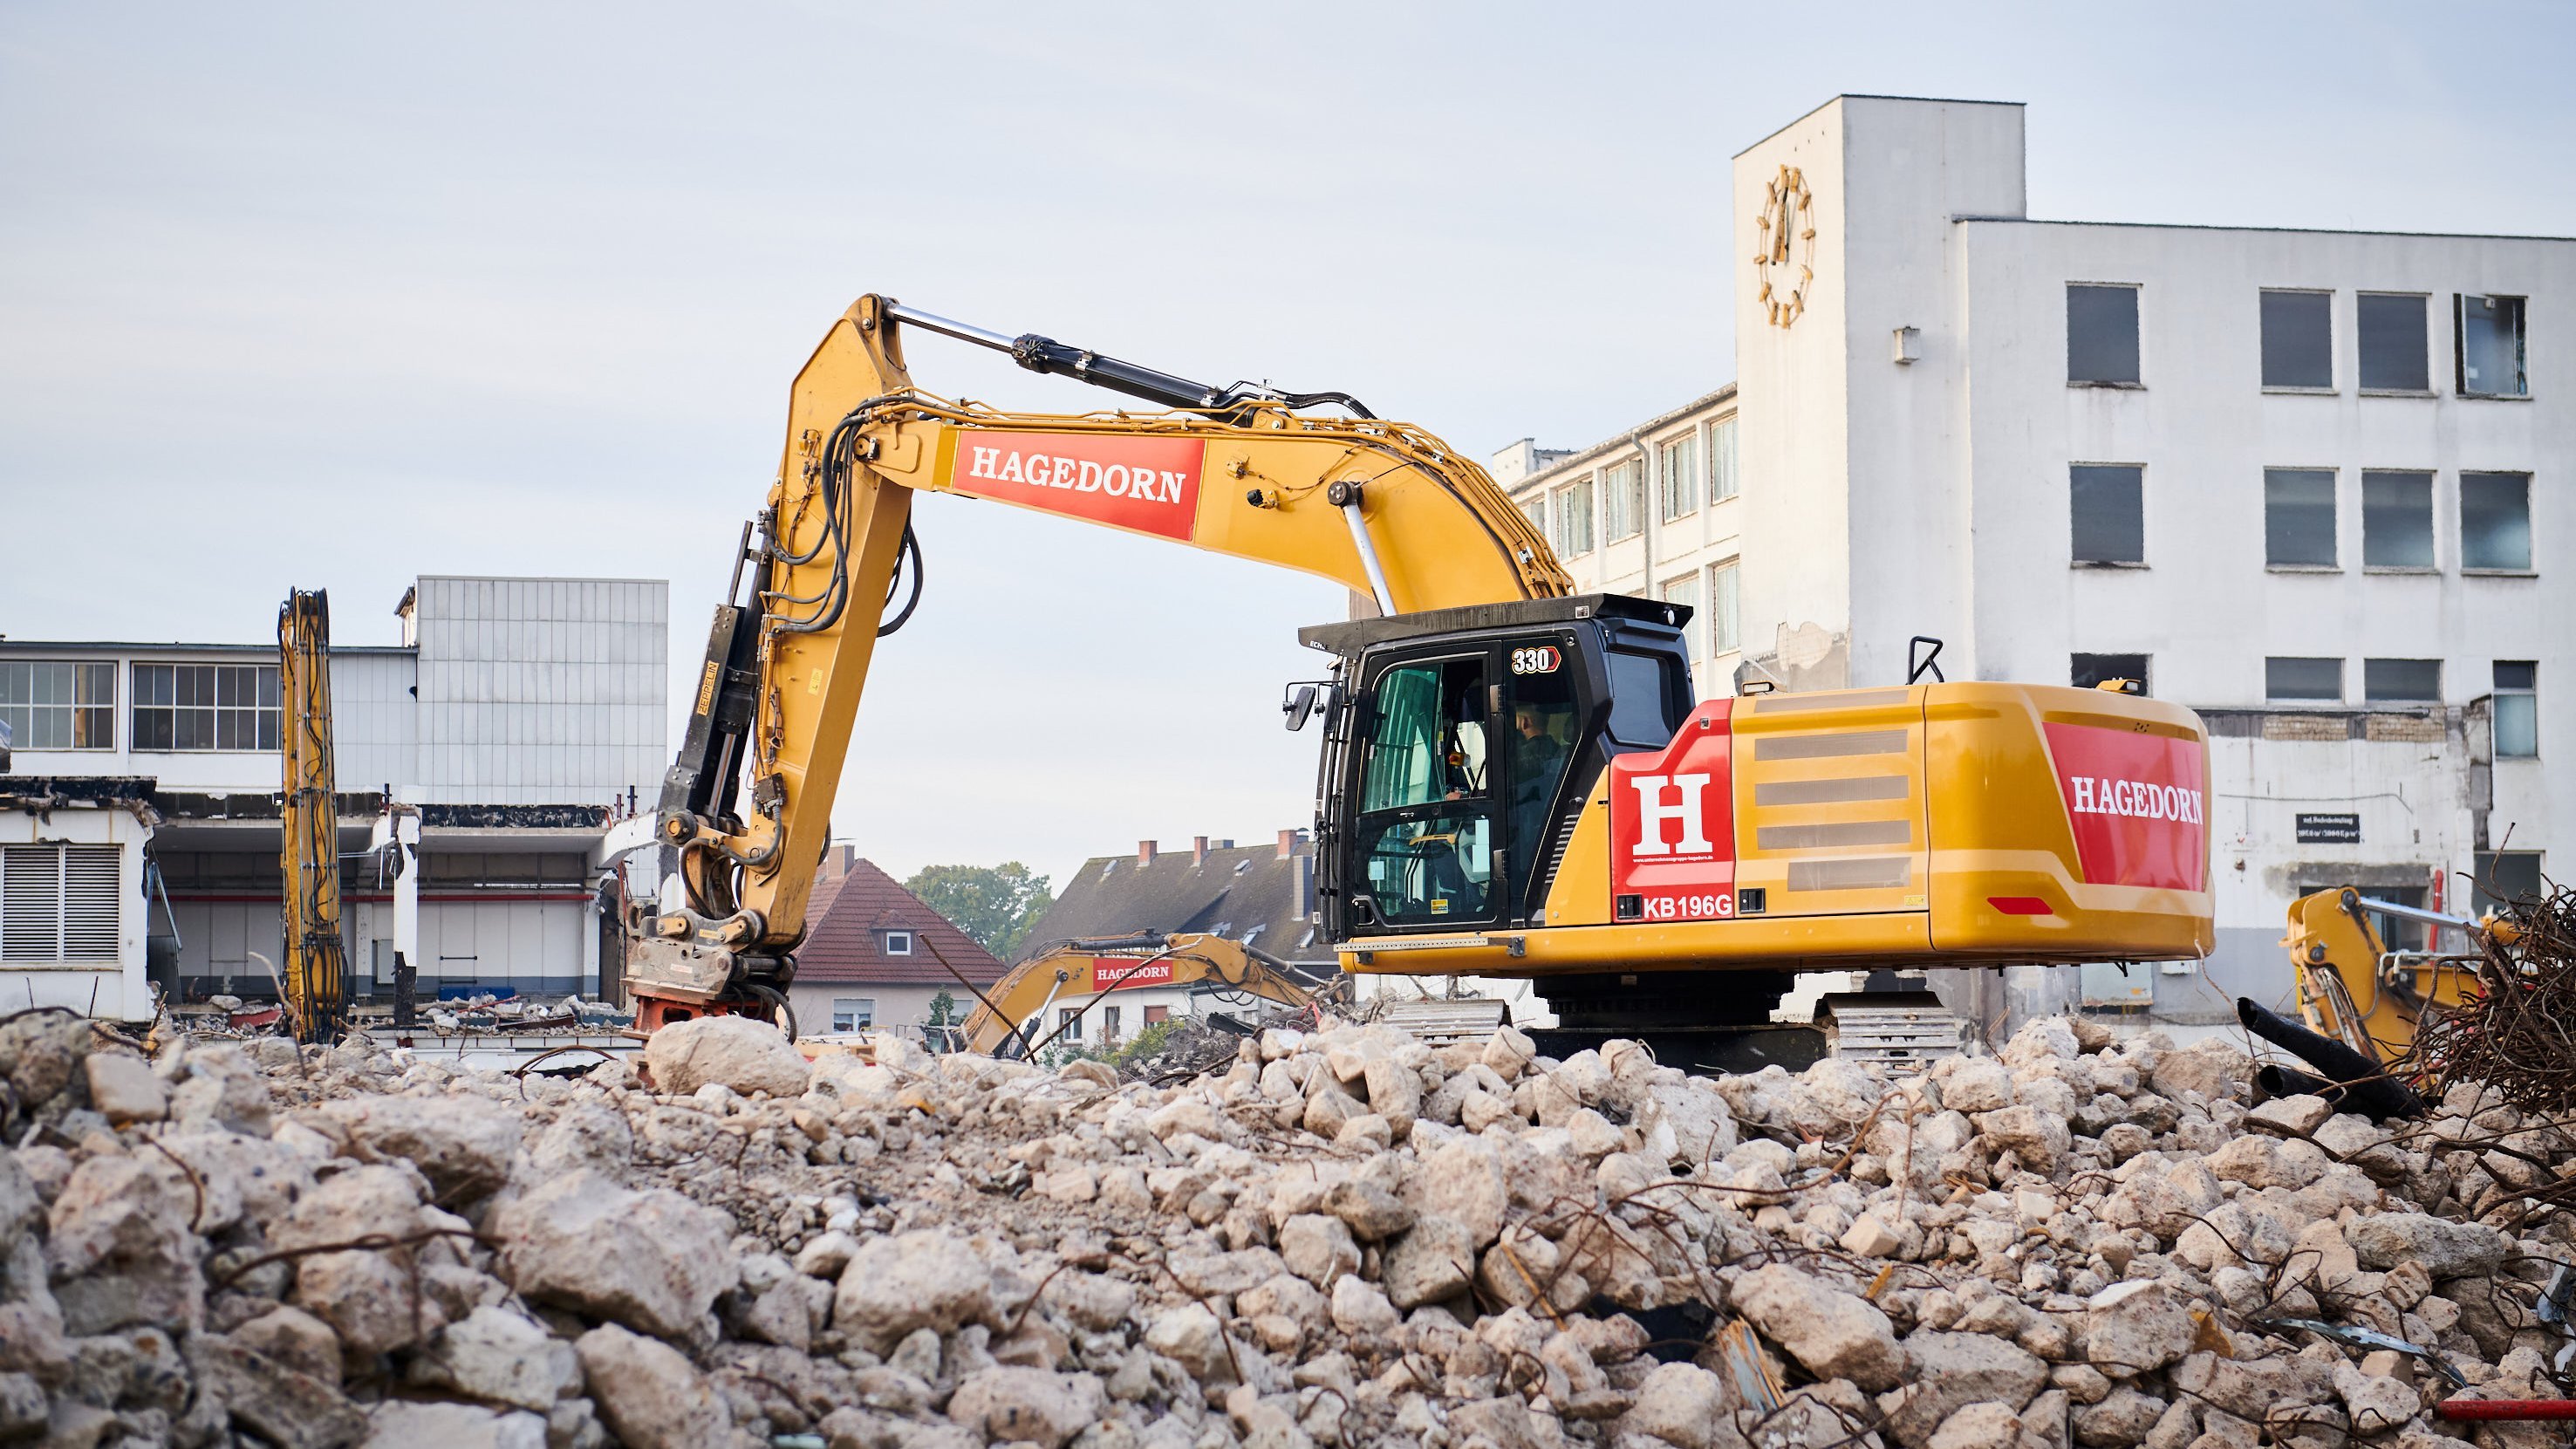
(1935, 825)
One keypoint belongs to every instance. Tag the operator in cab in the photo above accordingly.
(1538, 756)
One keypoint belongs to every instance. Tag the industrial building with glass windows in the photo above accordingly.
(139, 811)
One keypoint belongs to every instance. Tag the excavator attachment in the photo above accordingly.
(2353, 988)
(316, 970)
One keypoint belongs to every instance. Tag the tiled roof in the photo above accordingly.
(845, 940)
(1250, 894)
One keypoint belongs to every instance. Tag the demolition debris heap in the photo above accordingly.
(1346, 1238)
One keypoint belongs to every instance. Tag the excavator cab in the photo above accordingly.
(1461, 742)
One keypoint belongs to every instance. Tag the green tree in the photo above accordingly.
(940, 1007)
(998, 905)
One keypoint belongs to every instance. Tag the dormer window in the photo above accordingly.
(898, 943)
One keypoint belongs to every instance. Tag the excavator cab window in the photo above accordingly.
(1469, 761)
(1426, 801)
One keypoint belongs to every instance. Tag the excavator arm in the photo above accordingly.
(1010, 1020)
(1383, 508)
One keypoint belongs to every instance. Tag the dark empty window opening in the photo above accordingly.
(2402, 681)
(2299, 518)
(2102, 335)
(2298, 340)
(2395, 356)
(2396, 520)
(2504, 875)
(2293, 677)
(2495, 521)
(2108, 504)
(2490, 347)
(2090, 671)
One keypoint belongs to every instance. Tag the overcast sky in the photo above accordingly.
(337, 295)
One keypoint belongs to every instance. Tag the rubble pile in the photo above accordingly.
(1346, 1238)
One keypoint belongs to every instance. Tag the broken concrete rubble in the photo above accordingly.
(2074, 1241)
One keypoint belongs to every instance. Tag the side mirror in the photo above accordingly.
(1300, 705)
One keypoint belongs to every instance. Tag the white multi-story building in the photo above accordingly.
(517, 715)
(2303, 481)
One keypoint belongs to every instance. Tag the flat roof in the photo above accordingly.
(131, 646)
(2284, 230)
(1573, 458)
(539, 579)
(1873, 96)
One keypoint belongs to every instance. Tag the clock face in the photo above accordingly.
(1784, 257)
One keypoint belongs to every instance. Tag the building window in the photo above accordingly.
(2303, 679)
(2490, 347)
(2298, 340)
(2102, 335)
(1157, 1015)
(2395, 356)
(1574, 520)
(1677, 463)
(1623, 502)
(2089, 671)
(1068, 1023)
(898, 943)
(2517, 708)
(2495, 521)
(2402, 681)
(2503, 876)
(2299, 518)
(1724, 476)
(51, 705)
(2396, 520)
(205, 706)
(1536, 511)
(853, 1013)
(1685, 592)
(1109, 1023)
(2108, 502)
(1725, 616)
(59, 902)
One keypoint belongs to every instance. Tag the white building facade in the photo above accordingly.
(520, 716)
(2305, 482)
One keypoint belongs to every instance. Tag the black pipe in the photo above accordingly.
(2356, 1082)
(2280, 1081)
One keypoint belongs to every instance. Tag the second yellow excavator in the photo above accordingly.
(1516, 780)
(1010, 1020)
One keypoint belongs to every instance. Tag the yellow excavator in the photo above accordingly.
(1010, 1019)
(1515, 780)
